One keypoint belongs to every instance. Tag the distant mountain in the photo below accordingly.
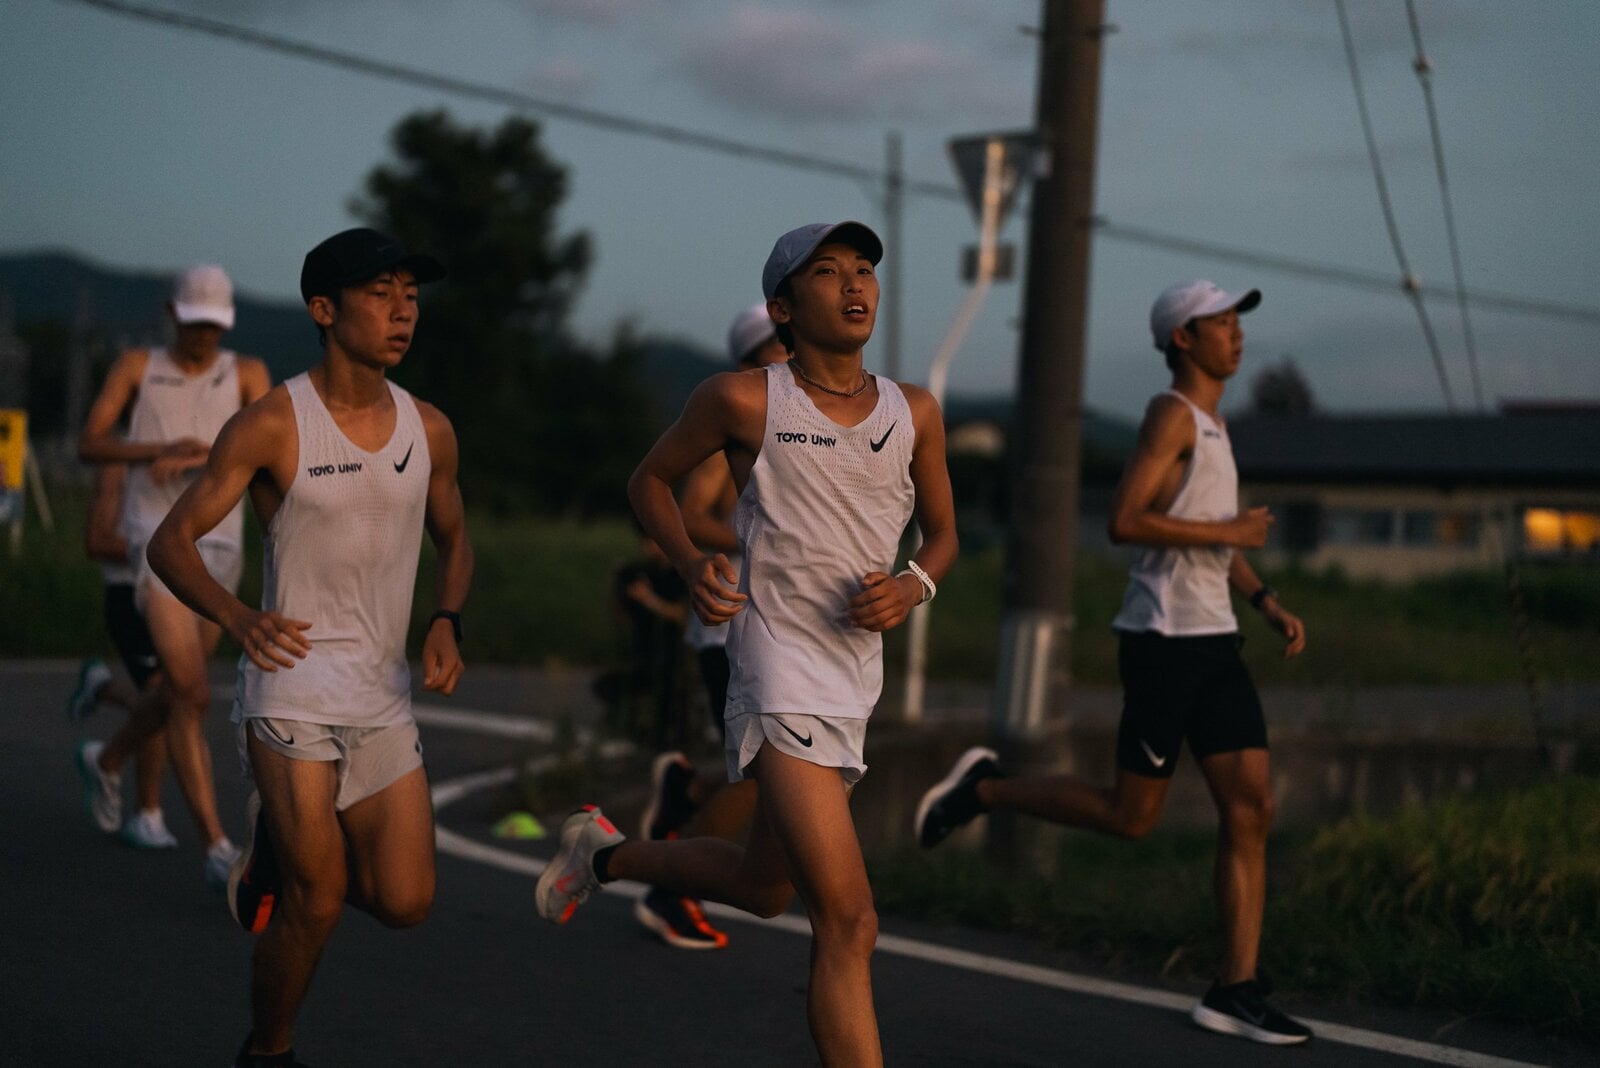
(128, 308)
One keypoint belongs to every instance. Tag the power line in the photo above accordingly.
(1408, 280)
(1355, 277)
(1423, 69)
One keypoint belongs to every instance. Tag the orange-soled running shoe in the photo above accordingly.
(678, 921)
(670, 805)
(253, 882)
(569, 878)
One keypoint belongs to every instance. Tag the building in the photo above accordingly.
(1402, 496)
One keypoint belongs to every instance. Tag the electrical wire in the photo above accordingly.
(1424, 68)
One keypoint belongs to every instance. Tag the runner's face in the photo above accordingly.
(375, 320)
(198, 341)
(1216, 343)
(834, 298)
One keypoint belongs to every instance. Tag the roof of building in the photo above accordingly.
(1525, 446)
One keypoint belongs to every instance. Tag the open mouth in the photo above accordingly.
(855, 312)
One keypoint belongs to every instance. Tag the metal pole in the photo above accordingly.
(894, 182)
(1037, 622)
(938, 377)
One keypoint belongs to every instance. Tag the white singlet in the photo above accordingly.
(824, 505)
(1183, 591)
(341, 553)
(172, 405)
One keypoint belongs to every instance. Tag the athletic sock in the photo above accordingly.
(602, 862)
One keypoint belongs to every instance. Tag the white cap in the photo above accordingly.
(203, 294)
(1194, 300)
(752, 329)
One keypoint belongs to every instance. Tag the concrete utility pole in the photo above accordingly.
(1037, 623)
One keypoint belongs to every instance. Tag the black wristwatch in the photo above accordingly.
(453, 617)
(1261, 595)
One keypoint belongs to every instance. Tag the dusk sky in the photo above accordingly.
(1230, 122)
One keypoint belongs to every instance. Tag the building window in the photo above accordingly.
(1451, 529)
(1357, 526)
(1554, 531)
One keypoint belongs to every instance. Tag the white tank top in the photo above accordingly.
(823, 506)
(1183, 592)
(172, 405)
(341, 552)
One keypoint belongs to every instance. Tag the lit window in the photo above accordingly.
(1551, 530)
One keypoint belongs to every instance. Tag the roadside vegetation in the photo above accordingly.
(1483, 905)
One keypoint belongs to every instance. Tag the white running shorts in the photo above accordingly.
(828, 741)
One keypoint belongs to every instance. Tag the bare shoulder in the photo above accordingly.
(130, 363)
(254, 366)
(1167, 422)
(272, 414)
(434, 421)
(919, 400)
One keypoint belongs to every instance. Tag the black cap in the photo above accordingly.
(354, 256)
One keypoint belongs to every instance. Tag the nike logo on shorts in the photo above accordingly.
(400, 468)
(805, 741)
(877, 446)
(266, 725)
(1158, 761)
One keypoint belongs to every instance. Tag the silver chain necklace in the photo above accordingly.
(826, 389)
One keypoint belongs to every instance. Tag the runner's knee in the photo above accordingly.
(403, 906)
(853, 929)
(770, 901)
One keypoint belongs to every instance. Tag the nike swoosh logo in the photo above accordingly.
(400, 468)
(1158, 761)
(877, 446)
(806, 741)
(272, 730)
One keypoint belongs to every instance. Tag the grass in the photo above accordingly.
(1484, 904)
(542, 595)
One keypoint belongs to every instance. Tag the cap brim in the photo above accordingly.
(421, 266)
(857, 235)
(189, 314)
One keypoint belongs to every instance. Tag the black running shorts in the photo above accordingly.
(130, 634)
(1176, 688)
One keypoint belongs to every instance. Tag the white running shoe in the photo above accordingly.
(92, 675)
(219, 863)
(569, 878)
(147, 829)
(102, 791)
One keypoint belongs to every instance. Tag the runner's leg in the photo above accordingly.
(184, 641)
(391, 854)
(1129, 809)
(1241, 787)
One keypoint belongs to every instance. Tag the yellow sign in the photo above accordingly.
(13, 447)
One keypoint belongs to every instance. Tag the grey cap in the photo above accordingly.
(794, 248)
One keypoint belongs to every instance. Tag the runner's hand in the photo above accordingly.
(269, 639)
(883, 602)
(713, 589)
(1288, 624)
(1250, 529)
(441, 659)
(178, 457)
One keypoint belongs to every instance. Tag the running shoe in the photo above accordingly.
(220, 858)
(678, 921)
(102, 791)
(569, 878)
(246, 1059)
(952, 802)
(92, 674)
(1242, 1009)
(148, 830)
(253, 882)
(670, 806)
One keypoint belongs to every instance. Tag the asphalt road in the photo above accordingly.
(112, 956)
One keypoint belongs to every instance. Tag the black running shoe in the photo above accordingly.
(678, 921)
(953, 802)
(670, 806)
(254, 883)
(246, 1059)
(1242, 1009)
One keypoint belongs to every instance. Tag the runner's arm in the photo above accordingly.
(102, 538)
(1243, 578)
(101, 444)
(701, 504)
(447, 526)
(247, 443)
(254, 380)
(1166, 434)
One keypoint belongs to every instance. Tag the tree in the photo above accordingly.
(543, 423)
(1280, 389)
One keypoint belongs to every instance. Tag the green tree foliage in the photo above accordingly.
(1280, 389)
(544, 425)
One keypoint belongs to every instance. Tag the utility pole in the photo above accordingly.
(1037, 621)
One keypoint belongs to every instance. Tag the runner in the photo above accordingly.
(344, 469)
(176, 400)
(103, 542)
(683, 804)
(1179, 656)
(831, 462)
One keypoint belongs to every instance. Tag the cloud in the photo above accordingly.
(802, 66)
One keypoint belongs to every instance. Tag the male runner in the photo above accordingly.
(1179, 655)
(176, 400)
(344, 469)
(681, 804)
(103, 542)
(831, 463)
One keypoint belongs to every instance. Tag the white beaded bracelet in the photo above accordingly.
(928, 588)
